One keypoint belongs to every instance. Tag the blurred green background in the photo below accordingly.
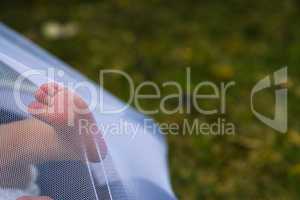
(231, 40)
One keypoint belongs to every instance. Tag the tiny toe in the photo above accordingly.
(51, 88)
(36, 105)
(46, 91)
(41, 96)
(39, 110)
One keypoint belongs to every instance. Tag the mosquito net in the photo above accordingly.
(65, 137)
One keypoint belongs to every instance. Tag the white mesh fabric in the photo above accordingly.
(130, 169)
(60, 176)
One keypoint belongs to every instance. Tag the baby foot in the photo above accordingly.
(65, 111)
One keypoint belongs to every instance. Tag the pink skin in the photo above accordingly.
(51, 137)
(63, 110)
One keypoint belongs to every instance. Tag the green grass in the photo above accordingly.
(220, 40)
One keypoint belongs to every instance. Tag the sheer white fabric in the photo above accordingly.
(135, 166)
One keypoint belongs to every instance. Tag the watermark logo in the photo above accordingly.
(280, 120)
(183, 104)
